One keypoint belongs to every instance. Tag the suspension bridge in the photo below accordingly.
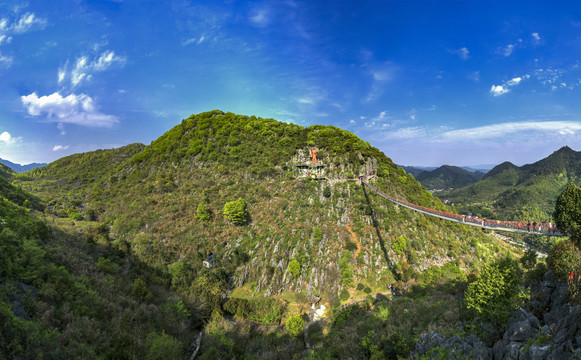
(535, 228)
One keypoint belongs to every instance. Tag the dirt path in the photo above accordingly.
(354, 238)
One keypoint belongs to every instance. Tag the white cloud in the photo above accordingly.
(536, 36)
(514, 81)
(72, 109)
(83, 69)
(27, 22)
(305, 100)
(497, 90)
(352, 121)
(8, 139)
(60, 147)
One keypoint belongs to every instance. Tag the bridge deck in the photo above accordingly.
(481, 223)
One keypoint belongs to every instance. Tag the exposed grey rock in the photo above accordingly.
(522, 325)
(458, 348)
(536, 352)
(499, 349)
(513, 350)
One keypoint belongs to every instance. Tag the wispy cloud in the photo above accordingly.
(84, 67)
(27, 22)
(72, 109)
(463, 53)
(381, 75)
(194, 40)
(260, 17)
(509, 129)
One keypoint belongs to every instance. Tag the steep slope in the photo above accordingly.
(308, 231)
(67, 292)
(507, 189)
(446, 177)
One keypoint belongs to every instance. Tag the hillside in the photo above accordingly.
(301, 230)
(446, 177)
(508, 189)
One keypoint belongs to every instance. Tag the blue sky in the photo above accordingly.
(428, 83)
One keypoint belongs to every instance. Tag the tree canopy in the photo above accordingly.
(567, 213)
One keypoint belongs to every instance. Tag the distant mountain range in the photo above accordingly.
(507, 189)
(446, 177)
(21, 168)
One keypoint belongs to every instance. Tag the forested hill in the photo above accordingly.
(280, 229)
(508, 189)
(446, 177)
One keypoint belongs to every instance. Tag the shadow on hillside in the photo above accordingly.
(376, 226)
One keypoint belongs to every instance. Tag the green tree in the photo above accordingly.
(529, 259)
(327, 192)
(295, 325)
(236, 212)
(497, 291)
(163, 346)
(400, 245)
(203, 213)
(567, 213)
(294, 267)
(563, 258)
(140, 290)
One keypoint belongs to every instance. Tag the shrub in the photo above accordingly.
(327, 192)
(203, 213)
(236, 212)
(360, 286)
(295, 325)
(107, 266)
(367, 290)
(529, 259)
(497, 291)
(400, 245)
(344, 295)
(163, 346)
(563, 258)
(294, 267)
(140, 290)
(317, 234)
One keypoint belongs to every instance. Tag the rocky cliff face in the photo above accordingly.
(549, 328)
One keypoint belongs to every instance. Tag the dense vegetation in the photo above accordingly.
(226, 189)
(446, 177)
